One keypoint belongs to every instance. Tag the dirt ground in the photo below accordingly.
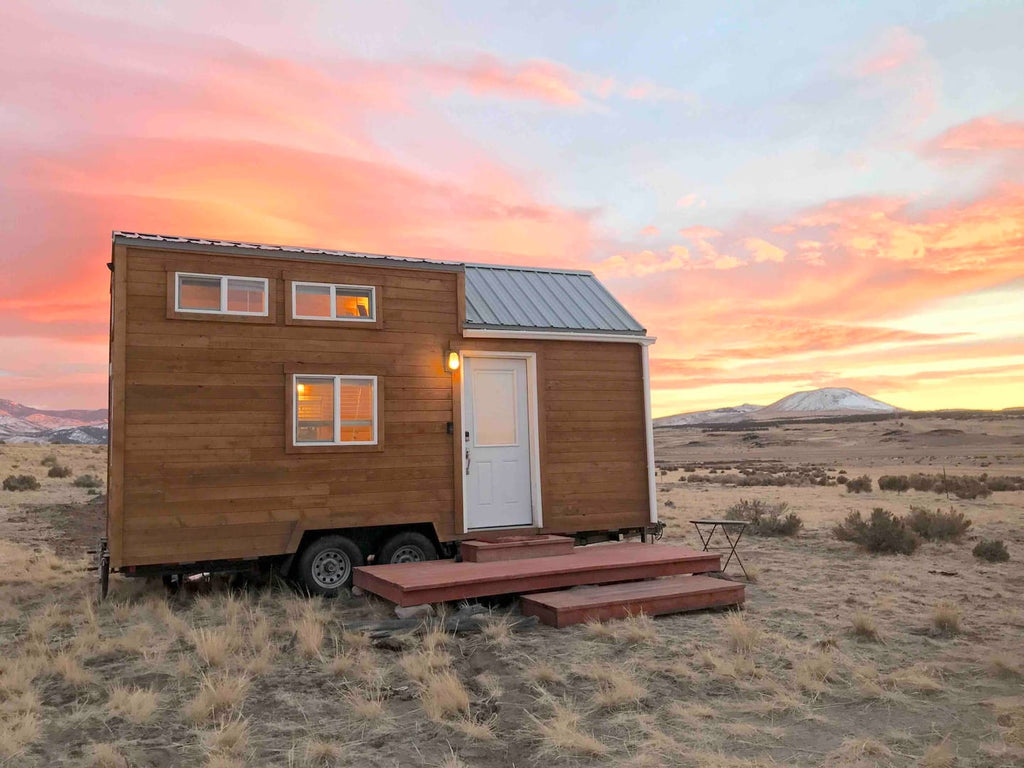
(263, 677)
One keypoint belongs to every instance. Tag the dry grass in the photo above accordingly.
(617, 686)
(939, 755)
(368, 705)
(812, 674)
(561, 734)
(17, 733)
(740, 635)
(863, 627)
(309, 634)
(1004, 665)
(420, 666)
(137, 705)
(599, 630)
(946, 618)
(229, 737)
(319, 753)
(637, 629)
(694, 716)
(217, 695)
(107, 756)
(478, 730)
(443, 696)
(214, 646)
(71, 670)
(543, 672)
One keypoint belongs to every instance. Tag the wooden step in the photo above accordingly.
(673, 594)
(443, 580)
(516, 548)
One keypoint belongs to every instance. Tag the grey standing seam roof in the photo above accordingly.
(520, 298)
(497, 297)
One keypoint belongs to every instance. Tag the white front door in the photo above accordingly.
(497, 443)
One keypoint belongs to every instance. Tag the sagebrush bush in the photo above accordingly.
(938, 525)
(992, 550)
(59, 470)
(860, 484)
(766, 519)
(48, 460)
(842, 479)
(898, 483)
(882, 533)
(88, 481)
(21, 483)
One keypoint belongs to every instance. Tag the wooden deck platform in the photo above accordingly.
(443, 580)
(515, 548)
(674, 594)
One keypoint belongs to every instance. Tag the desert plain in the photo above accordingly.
(839, 657)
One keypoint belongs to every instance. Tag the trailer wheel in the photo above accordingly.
(325, 566)
(407, 547)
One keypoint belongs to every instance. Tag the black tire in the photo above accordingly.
(406, 547)
(326, 564)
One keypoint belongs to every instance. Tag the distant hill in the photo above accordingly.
(829, 401)
(25, 424)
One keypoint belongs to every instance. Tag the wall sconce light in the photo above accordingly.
(452, 361)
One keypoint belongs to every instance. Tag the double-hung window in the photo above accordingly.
(220, 294)
(329, 301)
(334, 410)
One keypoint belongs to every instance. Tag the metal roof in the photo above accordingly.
(497, 297)
(521, 298)
(235, 248)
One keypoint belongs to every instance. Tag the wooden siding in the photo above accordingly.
(199, 414)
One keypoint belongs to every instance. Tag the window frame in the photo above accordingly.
(293, 382)
(223, 311)
(293, 314)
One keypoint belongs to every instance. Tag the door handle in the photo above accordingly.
(468, 461)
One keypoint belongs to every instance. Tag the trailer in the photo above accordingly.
(314, 410)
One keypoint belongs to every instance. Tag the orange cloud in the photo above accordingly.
(650, 231)
(762, 250)
(699, 233)
(983, 134)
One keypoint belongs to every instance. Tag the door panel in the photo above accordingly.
(497, 443)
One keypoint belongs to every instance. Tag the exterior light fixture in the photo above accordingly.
(452, 362)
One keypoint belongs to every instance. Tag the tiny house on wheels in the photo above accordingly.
(317, 410)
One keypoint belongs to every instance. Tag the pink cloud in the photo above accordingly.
(763, 251)
(690, 200)
(983, 134)
(896, 49)
(699, 233)
(650, 231)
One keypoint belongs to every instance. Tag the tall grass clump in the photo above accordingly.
(882, 533)
(766, 519)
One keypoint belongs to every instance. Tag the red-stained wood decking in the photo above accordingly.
(673, 594)
(444, 580)
(515, 548)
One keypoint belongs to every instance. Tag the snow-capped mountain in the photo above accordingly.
(717, 416)
(830, 401)
(25, 424)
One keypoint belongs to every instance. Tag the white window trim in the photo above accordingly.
(337, 379)
(223, 295)
(334, 302)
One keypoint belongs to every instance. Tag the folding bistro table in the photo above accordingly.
(737, 525)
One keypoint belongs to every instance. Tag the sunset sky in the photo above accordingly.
(787, 195)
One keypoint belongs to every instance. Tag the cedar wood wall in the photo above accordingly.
(199, 466)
